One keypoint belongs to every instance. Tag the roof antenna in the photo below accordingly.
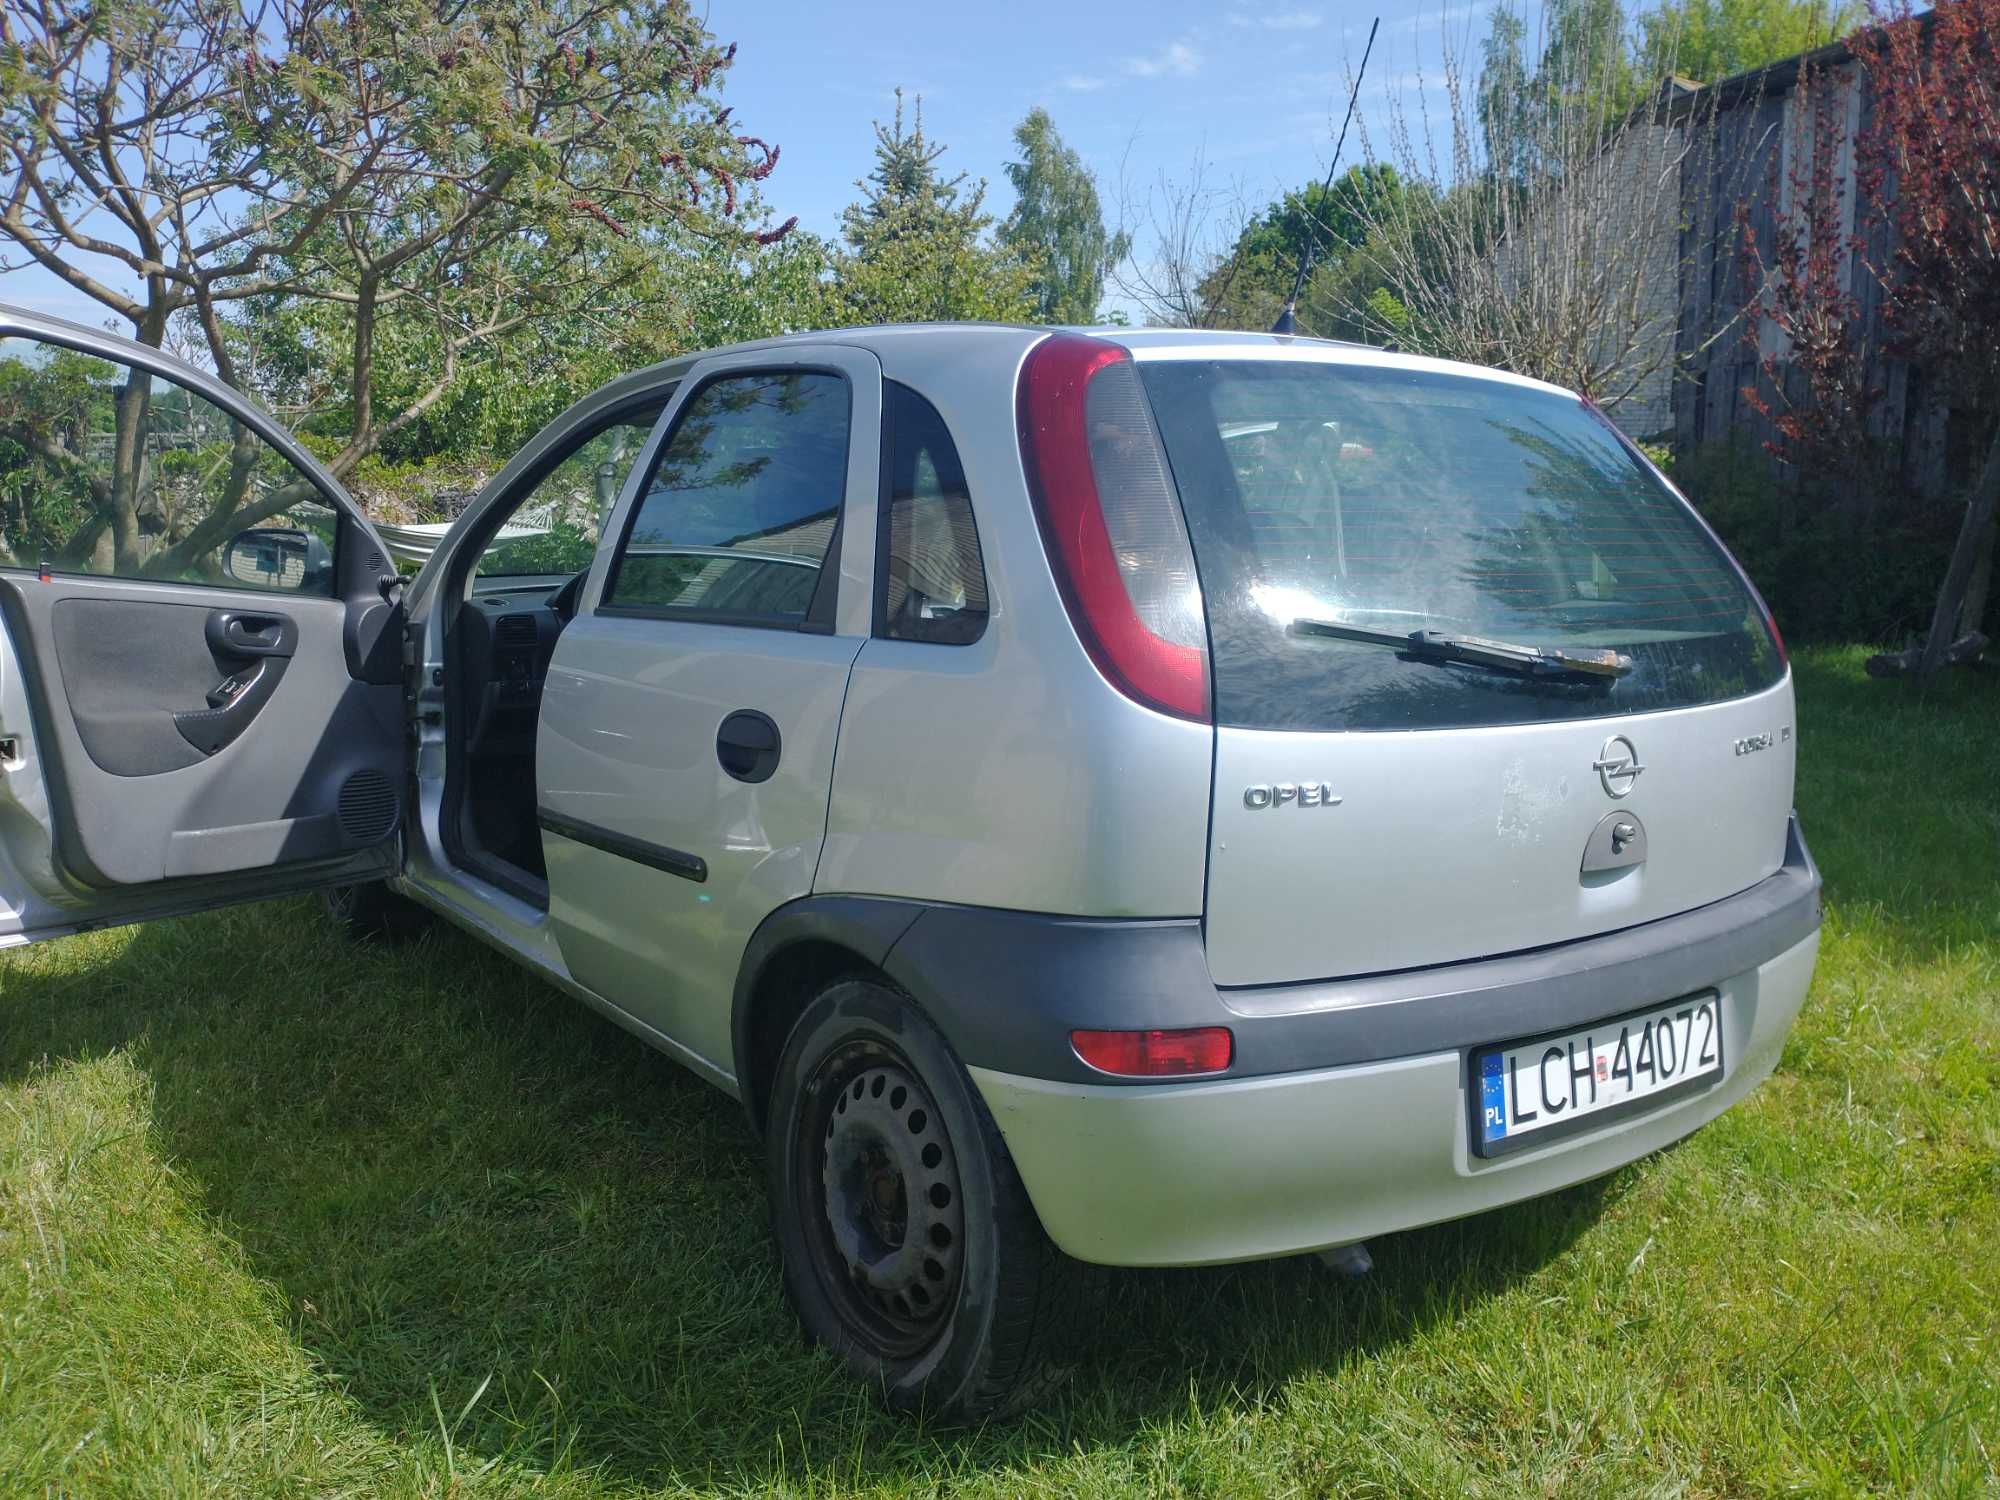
(1287, 323)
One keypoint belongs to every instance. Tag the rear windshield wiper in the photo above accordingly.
(1478, 651)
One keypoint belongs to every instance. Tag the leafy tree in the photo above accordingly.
(453, 171)
(681, 296)
(1247, 287)
(1817, 394)
(1353, 298)
(1337, 215)
(47, 415)
(1711, 39)
(1586, 56)
(1595, 63)
(1930, 166)
(1584, 74)
(1057, 224)
(1502, 97)
(917, 247)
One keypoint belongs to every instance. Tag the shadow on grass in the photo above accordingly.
(456, 1175)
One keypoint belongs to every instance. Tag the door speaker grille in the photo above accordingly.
(368, 807)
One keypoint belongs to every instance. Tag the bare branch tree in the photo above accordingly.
(463, 168)
(1180, 231)
(1545, 237)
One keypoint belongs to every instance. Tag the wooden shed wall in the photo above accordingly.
(1744, 161)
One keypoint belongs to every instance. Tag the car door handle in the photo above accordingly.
(748, 745)
(240, 633)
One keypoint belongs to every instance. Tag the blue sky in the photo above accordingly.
(1137, 88)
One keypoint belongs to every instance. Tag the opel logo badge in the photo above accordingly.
(1618, 765)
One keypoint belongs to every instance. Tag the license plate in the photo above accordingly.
(1531, 1091)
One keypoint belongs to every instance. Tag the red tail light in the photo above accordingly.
(1112, 523)
(1156, 1054)
(1771, 623)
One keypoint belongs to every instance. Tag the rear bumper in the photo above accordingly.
(1344, 1112)
(1199, 1173)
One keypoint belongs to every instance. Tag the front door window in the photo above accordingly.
(738, 517)
(111, 470)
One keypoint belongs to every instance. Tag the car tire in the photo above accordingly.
(909, 1246)
(372, 913)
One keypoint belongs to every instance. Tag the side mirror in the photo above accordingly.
(278, 557)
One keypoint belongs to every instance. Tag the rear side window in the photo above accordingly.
(933, 577)
(739, 515)
(1408, 500)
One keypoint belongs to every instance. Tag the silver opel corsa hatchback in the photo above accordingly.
(1137, 797)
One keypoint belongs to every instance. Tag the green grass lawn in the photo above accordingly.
(280, 1216)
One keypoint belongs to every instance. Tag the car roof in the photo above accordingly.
(884, 339)
(1144, 343)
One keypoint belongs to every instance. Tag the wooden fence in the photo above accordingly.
(1742, 164)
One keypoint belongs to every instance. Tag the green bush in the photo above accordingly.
(1829, 574)
(429, 489)
(563, 547)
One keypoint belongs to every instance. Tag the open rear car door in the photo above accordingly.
(200, 659)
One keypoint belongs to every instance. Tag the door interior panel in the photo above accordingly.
(193, 731)
(127, 668)
(154, 687)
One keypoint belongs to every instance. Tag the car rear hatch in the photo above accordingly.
(1386, 804)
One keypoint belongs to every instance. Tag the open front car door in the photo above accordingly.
(200, 659)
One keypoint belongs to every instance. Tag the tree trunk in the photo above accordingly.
(132, 413)
(1973, 614)
(216, 527)
(1972, 537)
(128, 460)
(1967, 648)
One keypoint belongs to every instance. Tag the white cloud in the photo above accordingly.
(1290, 20)
(1080, 83)
(1175, 60)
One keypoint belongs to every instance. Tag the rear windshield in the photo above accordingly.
(1404, 500)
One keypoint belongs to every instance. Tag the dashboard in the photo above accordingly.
(507, 634)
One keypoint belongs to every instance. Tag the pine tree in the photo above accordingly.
(917, 246)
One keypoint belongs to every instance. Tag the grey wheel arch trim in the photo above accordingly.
(1007, 987)
(867, 926)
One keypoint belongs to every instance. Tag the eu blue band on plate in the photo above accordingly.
(1492, 1098)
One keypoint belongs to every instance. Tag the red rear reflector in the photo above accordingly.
(1156, 1054)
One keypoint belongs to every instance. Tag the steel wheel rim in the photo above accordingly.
(880, 1198)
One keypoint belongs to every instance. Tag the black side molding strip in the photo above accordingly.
(1007, 987)
(657, 856)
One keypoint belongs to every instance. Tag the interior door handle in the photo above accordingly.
(240, 633)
